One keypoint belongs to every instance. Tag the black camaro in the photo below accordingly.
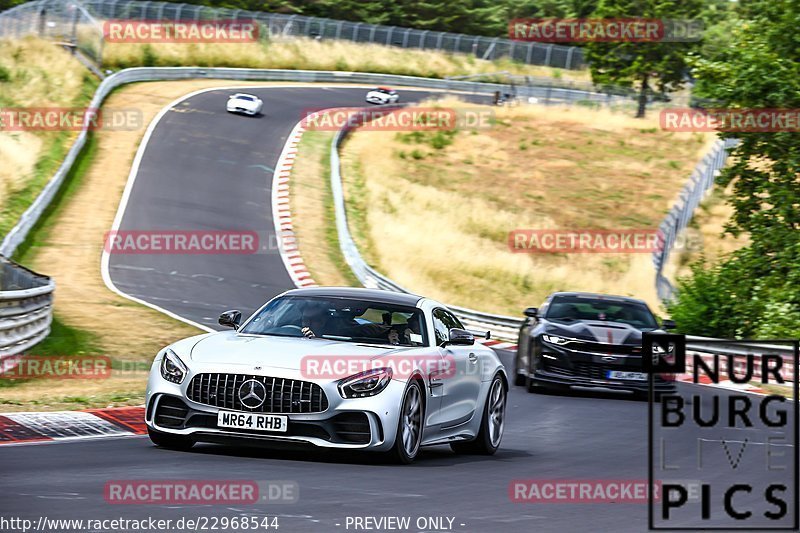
(586, 340)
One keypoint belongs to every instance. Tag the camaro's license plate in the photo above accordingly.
(630, 376)
(228, 419)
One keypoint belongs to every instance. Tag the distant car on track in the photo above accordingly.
(246, 104)
(586, 340)
(383, 95)
(294, 373)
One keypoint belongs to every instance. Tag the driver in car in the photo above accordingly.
(316, 320)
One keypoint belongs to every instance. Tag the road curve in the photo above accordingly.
(205, 169)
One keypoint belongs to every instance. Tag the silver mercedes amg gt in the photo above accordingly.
(334, 368)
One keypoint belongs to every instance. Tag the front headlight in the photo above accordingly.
(368, 383)
(554, 339)
(172, 368)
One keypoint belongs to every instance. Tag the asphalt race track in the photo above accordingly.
(205, 169)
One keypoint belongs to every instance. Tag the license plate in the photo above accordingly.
(630, 376)
(229, 419)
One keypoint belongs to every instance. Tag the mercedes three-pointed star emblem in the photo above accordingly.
(252, 394)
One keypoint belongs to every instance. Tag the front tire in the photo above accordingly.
(170, 442)
(409, 427)
(492, 424)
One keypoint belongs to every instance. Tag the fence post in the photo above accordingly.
(570, 51)
(405, 38)
(389, 36)
(422, 39)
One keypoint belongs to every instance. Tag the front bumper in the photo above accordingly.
(558, 366)
(359, 423)
(243, 111)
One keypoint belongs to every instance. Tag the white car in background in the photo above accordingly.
(246, 104)
(383, 95)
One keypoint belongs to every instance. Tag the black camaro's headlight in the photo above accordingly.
(368, 383)
(172, 368)
(555, 339)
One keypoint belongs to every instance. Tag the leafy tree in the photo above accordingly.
(642, 65)
(760, 70)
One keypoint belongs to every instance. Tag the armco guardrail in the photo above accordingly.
(26, 301)
(700, 183)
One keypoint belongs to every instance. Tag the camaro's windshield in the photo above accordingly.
(572, 308)
(342, 319)
(245, 97)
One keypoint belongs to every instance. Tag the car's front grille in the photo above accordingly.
(280, 395)
(603, 349)
(586, 370)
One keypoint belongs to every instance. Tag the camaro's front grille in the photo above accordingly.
(603, 349)
(279, 395)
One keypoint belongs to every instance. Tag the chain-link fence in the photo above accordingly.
(700, 182)
(279, 25)
(70, 19)
(57, 20)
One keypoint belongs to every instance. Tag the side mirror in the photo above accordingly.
(531, 312)
(230, 319)
(668, 324)
(460, 337)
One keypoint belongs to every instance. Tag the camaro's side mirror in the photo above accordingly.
(231, 319)
(460, 337)
(668, 324)
(531, 312)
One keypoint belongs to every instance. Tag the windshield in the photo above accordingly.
(245, 97)
(343, 319)
(574, 308)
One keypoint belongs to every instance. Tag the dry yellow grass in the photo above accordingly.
(65, 395)
(704, 237)
(309, 54)
(437, 220)
(33, 73)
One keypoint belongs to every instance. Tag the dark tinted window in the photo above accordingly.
(443, 322)
(572, 308)
(342, 319)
